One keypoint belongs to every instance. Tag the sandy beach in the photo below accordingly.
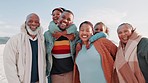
(2, 73)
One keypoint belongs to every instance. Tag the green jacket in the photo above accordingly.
(142, 55)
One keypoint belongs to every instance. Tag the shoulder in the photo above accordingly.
(103, 40)
(47, 33)
(143, 43)
(13, 41)
(15, 37)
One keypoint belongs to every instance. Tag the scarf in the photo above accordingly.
(27, 56)
(126, 64)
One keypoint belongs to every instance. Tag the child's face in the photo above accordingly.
(56, 15)
(85, 32)
(65, 20)
(100, 28)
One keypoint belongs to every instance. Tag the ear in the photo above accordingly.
(25, 22)
(39, 23)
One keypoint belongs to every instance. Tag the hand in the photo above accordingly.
(57, 35)
(69, 36)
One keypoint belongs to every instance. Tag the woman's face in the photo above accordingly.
(85, 32)
(124, 33)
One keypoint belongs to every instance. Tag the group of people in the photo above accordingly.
(64, 55)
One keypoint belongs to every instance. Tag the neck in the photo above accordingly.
(33, 36)
(85, 42)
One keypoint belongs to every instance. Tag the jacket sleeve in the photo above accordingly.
(112, 48)
(143, 48)
(10, 62)
(53, 27)
(97, 36)
(72, 29)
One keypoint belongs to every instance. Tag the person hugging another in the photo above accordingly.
(60, 49)
(93, 63)
(53, 26)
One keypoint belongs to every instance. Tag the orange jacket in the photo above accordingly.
(107, 50)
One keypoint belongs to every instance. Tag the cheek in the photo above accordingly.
(37, 25)
(80, 33)
(119, 36)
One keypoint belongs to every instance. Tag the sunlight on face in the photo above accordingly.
(124, 33)
(56, 15)
(85, 32)
(100, 28)
(33, 21)
(65, 20)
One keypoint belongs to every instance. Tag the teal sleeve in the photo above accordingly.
(71, 29)
(97, 36)
(53, 27)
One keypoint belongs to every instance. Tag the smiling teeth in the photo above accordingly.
(84, 36)
(63, 24)
(125, 38)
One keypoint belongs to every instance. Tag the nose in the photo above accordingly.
(123, 34)
(65, 20)
(34, 23)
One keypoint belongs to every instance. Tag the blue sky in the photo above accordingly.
(111, 12)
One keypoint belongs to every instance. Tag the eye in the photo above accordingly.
(37, 22)
(87, 30)
(81, 29)
(101, 29)
(30, 21)
(119, 32)
(58, 14)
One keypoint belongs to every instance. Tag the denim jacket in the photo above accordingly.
(49, 43)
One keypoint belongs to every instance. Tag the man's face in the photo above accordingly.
(65, 20)
(33, 22)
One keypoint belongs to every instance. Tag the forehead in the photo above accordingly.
(67, 14)
(32, 17)
(99, 26)
(123, 27)
(56, 11)
(85, 26)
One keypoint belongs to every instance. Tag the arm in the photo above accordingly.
(111, 47)
(53, 27)
(71, 29)
(10, 64)
(97, 36)
(142, 49)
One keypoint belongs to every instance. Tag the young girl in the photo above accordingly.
(93, 64)
(101, 27)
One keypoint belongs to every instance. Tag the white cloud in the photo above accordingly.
(7, 29)
(110, 17)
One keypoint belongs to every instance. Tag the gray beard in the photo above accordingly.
(32, 32)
